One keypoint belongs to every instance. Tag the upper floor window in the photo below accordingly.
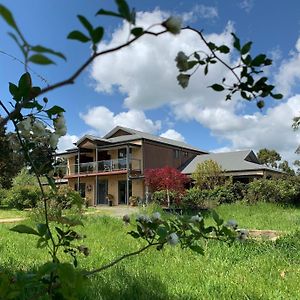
(185, 153)
(176, 153)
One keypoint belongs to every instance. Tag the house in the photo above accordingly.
(242, 166)
(114, 165)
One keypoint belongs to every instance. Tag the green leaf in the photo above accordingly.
(97, 35)
(276, 96)
(217, 87)
(258, 60)
(13, 89)
(24, 229)
(50, 180)
(40, 59)
(78, 36)
(236, 42)
(35, 91)
(137, 31)
(205, 70)
(42, 49)
(191, 64)
(84, 21)
(224, 49)
(211, 46)
(196, 55)
(108, 13)
(216, 218)
(54, 110)
(59, 231)
(124, 10)
(8, 17)
(197, 249)
(246, 48)
(260, 104)
(14, 37)
(42, 229)
(25, 81)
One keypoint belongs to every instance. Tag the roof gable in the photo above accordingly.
(118, 131)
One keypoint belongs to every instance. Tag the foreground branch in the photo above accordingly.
(73, 77)
(114, 262)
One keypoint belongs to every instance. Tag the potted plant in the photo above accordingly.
(133, 200)
(110, 199)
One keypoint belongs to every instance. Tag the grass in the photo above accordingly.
(250, 270)
(12, 213)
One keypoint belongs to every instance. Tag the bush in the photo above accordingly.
(160, 197)
(228, 193)
(3, 195)
(64, 198)
(195, 198)
(21, 197)
(284, 190)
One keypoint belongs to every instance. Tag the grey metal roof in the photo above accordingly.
(135, 135)
(244, 160)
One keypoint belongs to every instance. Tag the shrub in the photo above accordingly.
(195, 198)
(284, 190)
(3, 195)
(160, 197)
(228, 193)
(21, 197)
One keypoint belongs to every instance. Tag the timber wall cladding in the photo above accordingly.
(157, 155)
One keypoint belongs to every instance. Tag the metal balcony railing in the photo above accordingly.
(104, 166)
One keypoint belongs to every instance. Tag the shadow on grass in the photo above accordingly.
(119, 284)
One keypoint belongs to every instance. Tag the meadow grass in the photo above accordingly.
(12, 213)
(249, 270)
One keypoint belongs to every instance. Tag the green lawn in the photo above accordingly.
(249, 270)
(12, 213)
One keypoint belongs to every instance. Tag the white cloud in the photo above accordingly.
(146, 75)
(246, 5)
(200, 11)
(103, 120)
(66, 142)
(146, 71)
(173, 135)
(289, 72)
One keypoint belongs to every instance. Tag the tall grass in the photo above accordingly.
(249, 270)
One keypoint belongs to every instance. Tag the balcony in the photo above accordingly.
(103, 166)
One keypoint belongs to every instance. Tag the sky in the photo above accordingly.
(137, 88)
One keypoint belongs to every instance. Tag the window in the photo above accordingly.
(176, 153)
(185, 153)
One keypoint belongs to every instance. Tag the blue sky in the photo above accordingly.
(137, 87)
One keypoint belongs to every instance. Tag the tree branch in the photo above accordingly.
(73, 77)
(114, 262)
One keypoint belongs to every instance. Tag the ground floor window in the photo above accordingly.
(122, 188)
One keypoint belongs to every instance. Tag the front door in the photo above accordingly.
(102, 192)
(123, 191)
(81, 189)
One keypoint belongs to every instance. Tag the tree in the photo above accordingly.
(284, 166)
(208, 175)
(167, 178)
(10, 162)
(297, 165)
(269, 157)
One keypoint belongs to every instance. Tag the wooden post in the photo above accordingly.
(96, 179)
(127, 181)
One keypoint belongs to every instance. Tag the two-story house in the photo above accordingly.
(114, 165)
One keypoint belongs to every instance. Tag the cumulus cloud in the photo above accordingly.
(145, 73)
(103, 120)
(200, 11)
(66, 142)
(289, 72)
(173, 135)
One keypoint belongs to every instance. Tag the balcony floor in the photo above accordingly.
(90, 174)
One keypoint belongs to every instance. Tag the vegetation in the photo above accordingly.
(223, 273)
(208, 175)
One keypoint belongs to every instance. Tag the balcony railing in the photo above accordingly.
(104, 166)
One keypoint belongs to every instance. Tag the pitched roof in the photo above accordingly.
(244, 160)
(135, 135)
